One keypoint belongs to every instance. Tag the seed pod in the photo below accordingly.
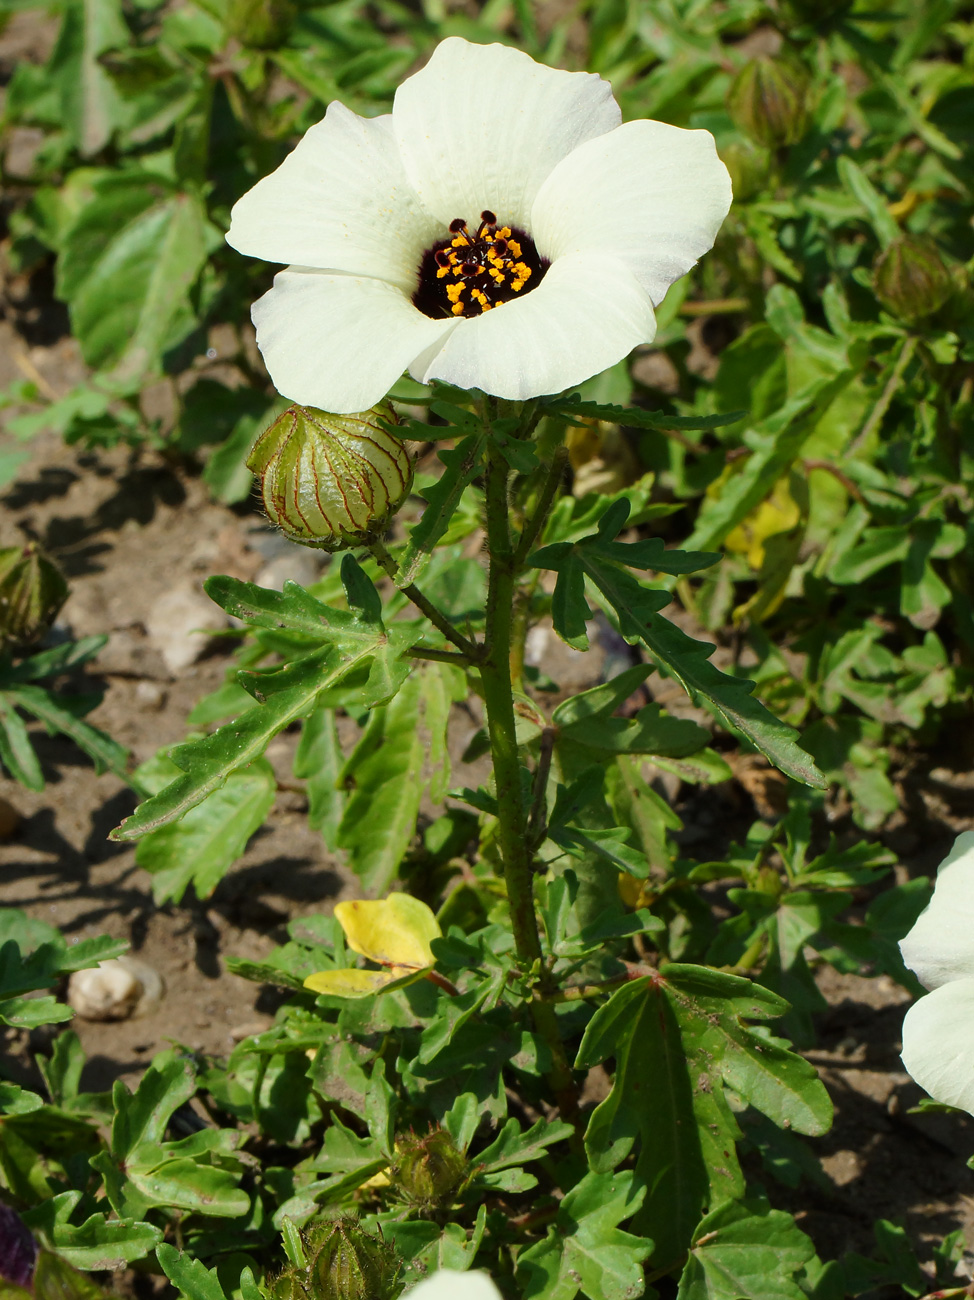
(331, 481)
(429, 1169)
(261, 24)
(768, 100)
(349, 1263)
(32, 590)
(910, 279)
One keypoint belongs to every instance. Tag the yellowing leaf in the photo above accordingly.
(779, 513)
(348, 983)
(393, 931)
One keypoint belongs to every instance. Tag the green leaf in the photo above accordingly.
(384, 772)
(289, 694)
(774, 445)
(858, 184)
(106, 753)
(461, 465)
(585, 1250)
(194, 1280)
(760, 1069)
(637, 608)
(129, 264)
(513, 1147)
(201, 847)
(746, 1251)
(142, 1116)
(636, 417)
(96, 1243)
(16, 751)
(319, 761)
(90, 106)
(637, 1026)
(587, 719)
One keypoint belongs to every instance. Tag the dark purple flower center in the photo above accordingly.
(467, 274)
(18, 1250)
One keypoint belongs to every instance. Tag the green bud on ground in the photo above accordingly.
(768, 100)
(331, 481)
(32, 590)
(428, 1170)
(261, 24)
(911, 280)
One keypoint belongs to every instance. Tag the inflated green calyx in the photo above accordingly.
(331, 481)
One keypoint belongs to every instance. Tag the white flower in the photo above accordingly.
(499, 230)
(938, 1031)
(448, 1284)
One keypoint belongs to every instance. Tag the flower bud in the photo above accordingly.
(331, 481)
(910, 279)
(428, 1170)
(767, 100)
(32, 590)
(344, 1262)
(349, 1263)
(261, 24)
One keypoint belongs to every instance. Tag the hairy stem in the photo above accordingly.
(512, 812)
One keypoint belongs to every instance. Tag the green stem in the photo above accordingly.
(469, 649)
(512, 813)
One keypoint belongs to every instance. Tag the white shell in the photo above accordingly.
(122, 988)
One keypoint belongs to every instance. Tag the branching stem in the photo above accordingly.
(468, 649)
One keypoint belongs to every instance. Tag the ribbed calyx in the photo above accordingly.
(768, 100)
(331, 481)
(32, 590)
(910, 279)
(428, 1170)
(344, 1262)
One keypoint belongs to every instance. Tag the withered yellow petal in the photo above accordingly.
(393, 931)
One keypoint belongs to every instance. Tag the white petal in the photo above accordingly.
(339, 342)
(651, 194)
(339, 202)
(448, 1284)
(938, 1043)
(940, 947)
(586, 314)
(481, 126)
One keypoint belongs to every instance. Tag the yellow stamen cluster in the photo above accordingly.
(491, 253)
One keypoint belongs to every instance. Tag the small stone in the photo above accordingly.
(295, 565)
(181, 624)
(10, 819)
(122, 988)
(150, 696)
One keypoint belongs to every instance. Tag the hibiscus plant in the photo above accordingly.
(541, 1053)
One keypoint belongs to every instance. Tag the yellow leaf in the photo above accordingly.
(348, 983)
(780, 512)
(393, 931)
